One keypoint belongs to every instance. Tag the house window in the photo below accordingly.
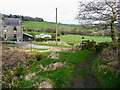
(15, 36)
(15, 28)
(5, 36)
(5, 29)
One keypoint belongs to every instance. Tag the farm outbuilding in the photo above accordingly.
(43, 36)
(27, 37)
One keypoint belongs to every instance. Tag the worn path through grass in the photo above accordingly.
(85, 78)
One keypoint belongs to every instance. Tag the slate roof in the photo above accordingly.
(12, 21)
(27, 34)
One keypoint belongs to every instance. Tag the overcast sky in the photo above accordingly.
(67, 9)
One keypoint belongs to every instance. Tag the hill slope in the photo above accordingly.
(46, 25)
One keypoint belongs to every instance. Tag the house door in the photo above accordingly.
(15, 37)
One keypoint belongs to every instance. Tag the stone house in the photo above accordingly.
(11, 29)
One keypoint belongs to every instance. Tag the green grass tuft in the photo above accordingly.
(8, 42)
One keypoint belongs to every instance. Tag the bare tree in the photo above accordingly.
(101, 10)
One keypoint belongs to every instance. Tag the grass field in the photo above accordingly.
(75, 39)
(45, 25)
(78, 38)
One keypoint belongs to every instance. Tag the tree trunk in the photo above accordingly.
(113, 32)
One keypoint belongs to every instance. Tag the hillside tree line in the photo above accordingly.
(24, 18)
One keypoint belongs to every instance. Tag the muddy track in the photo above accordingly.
(87, 81)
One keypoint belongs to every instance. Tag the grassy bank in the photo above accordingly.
(107, 77)
(52, 44)
(36, 49)
(8, 42)
(60, 77)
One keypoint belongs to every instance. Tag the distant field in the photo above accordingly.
(78, 38)
(66, 38)
(45, 25)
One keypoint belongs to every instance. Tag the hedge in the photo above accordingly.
(46, 39)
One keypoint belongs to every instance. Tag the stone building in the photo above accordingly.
(11, 29)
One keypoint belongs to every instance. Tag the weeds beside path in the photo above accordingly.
(85, 78)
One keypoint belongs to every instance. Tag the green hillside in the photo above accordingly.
(46, 25)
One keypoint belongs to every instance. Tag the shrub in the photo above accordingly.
(102, 45)
(54, 31)
(49, 30)
(82, 37)
(40, 56)
(79, 32)
(73, 31)
(67, 32)
(18, 71)
(46, 39)
(86, 32)
(90, 46)
(114, 46)
(107, 33)
(53, 35)
(58, 34)
(98, 34)
(62, 33)
(30, 62)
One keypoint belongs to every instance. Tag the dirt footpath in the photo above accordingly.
(87, 79)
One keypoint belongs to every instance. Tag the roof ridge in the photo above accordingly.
(12, 21)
